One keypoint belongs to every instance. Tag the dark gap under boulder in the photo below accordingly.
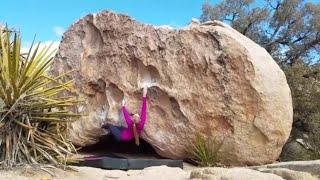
(109, 145)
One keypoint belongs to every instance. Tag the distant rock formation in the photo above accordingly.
(205, 79)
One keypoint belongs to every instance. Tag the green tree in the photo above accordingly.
(288, 29)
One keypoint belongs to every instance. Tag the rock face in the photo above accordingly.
(205, 79)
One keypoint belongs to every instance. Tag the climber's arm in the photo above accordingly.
(143, 113)
(126, 115)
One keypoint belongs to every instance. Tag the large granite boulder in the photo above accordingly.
(205, 79)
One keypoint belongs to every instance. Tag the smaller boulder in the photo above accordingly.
(312, 167)
(289, 174)
(217, 173)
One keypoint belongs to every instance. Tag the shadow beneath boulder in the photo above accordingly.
(108, 146)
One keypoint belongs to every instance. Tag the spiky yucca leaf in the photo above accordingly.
(33, 118)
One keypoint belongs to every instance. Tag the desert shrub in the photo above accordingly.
(304, 82)
(203, 151)
(33, 118)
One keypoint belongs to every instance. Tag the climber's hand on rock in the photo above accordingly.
(123, 103)
(145, 90)
(102, 124)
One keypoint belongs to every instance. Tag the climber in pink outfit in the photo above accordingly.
(134, 126)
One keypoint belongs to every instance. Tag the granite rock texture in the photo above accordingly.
(205, 79)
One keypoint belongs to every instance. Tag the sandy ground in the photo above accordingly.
(88, 173)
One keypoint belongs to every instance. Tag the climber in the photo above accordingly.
(134, 127)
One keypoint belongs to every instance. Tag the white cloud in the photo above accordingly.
(26, 46)
(171, 26)
(58, 31)
(165, 27)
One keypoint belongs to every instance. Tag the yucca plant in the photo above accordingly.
(34, 115)
(203, 152)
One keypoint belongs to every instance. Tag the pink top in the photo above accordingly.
(127, 134)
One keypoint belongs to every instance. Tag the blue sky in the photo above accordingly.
(49, 18)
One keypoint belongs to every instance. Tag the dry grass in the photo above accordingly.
(203, 151)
